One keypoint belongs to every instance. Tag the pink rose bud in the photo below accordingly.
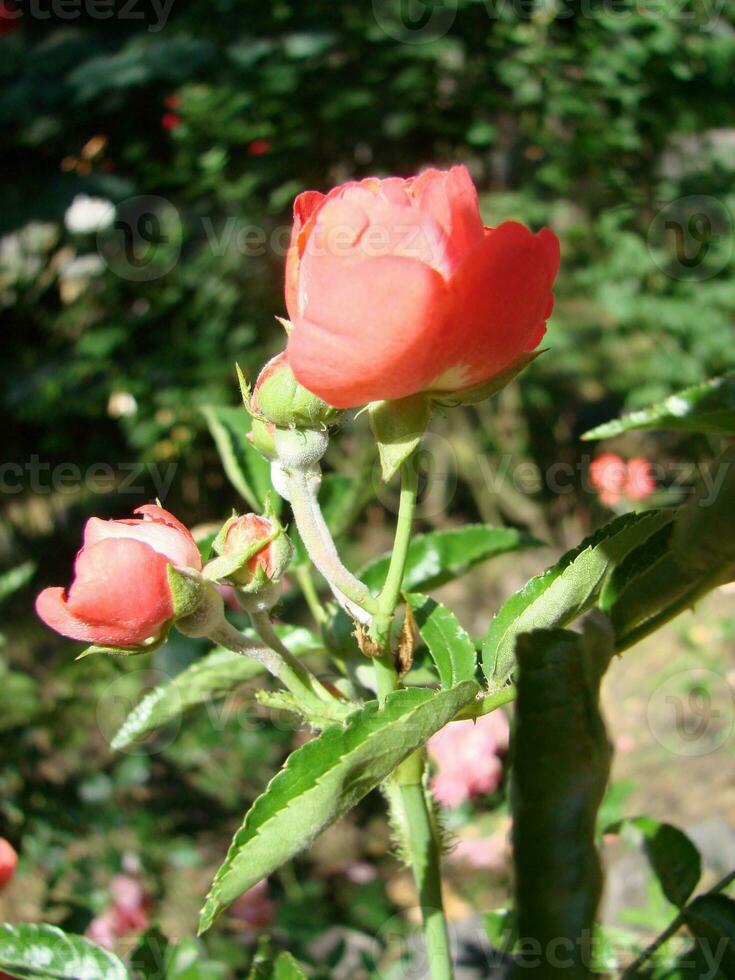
(394, 287)
(280, 399)
(124, 592)
(8, 862)
(254, 552)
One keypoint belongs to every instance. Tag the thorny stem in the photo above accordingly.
(423, 833)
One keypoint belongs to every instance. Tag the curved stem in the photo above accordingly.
(264, 628)
(282, 665)
(303, 487)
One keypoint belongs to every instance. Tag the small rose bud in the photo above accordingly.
(8, 862)
(279, 398)
(132, 579)
(254, 552)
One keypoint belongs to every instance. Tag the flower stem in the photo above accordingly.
(385, 671)
(420, 822)
(303, 487)
(281, 663)
(309, 592)
(425, 860)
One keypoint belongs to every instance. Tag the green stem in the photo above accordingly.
(303, 488)
(425, 860)
(281, 663)
(423, 833)
(385, 671)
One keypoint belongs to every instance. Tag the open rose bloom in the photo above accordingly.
(121, 595)
(395, 287)
(467, 758)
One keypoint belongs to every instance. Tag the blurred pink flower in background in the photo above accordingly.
(490, 853)
(254, 909)
(640, 482)
(467, 758)
(615, 480)
(8, 862)
(126, 914)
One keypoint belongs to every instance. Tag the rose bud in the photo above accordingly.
(278, 398)
(261, 436)
(394, 287)
(8, 862)
(132, 579)
(254, 553)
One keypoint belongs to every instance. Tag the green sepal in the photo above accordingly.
(478, 393)
(186, 590)
(245, 389)
(398, 427)
(148, 647)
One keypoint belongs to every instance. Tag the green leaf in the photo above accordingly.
(450, 647)
(246, 469)
(566, 590)
(270, 965)
(708, 407)
(711, 920)
(674, 859)
(560, 767)
(214, 676)
(324, 779)
(442, 556)
(15, 578)
(398, 427)
(48, 953)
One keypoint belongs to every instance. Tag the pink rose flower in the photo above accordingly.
(394, 287)
(121, 595)
(254, 908)
(466, 754)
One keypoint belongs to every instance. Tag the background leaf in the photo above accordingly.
(48, 953)
(324, 779)
(246, 469)
(674, 859)
(711, 920)
(708, 407)
(442, 556)
(450, 647)
(215, 676)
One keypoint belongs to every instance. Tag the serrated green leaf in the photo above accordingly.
(398, 427)
(450, 647)
(47, 953)
(214, 676)
(708, 407)
(565, 591)
(271, 965)
(442, 556)
(560, 767)
(246, 469)
(324, 779)
(674, 859)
